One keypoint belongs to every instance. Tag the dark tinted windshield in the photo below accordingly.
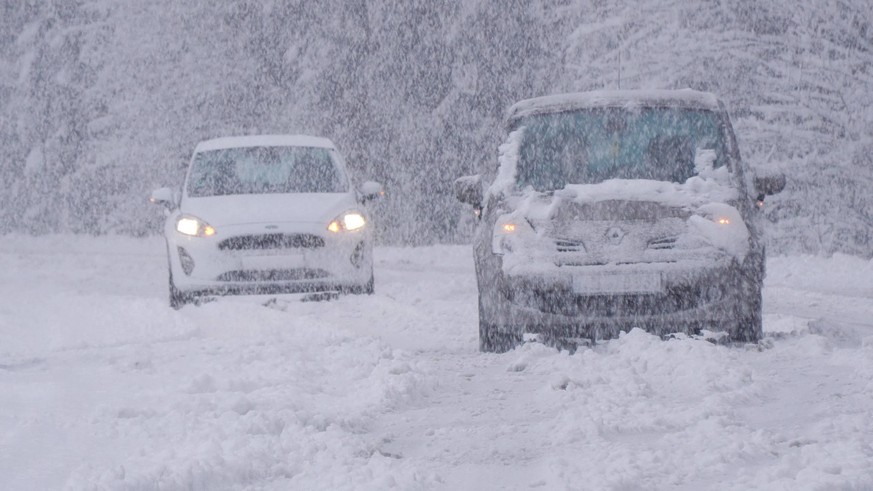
(261, 170)
(590, 146)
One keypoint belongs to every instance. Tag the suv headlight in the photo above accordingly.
(722, 226)
(194, 227)
(510, 233)
(348, 221)
(721, 214)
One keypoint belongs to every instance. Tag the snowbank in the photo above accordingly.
(104, 387)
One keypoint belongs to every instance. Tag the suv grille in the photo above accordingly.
(271, 241)
(663, 243)
(676, 299)
(569, 245)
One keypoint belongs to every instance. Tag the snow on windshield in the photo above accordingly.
(659, 174)
(591, 146)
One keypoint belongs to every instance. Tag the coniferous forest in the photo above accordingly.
(103, 100)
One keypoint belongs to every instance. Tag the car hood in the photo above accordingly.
(268, 208)
(623, 222)
(690, 195)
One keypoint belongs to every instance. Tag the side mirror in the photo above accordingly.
(468, 189)
(768, 184)
(163, 197)
(371, 190)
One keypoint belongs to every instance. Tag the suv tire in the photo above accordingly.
(749, 321)
(495, 338)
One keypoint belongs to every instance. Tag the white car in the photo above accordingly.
(267, 214)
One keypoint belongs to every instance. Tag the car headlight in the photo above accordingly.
(720, 214)
(721, 226)
(188, 225)
(348, 221)
(510, 234)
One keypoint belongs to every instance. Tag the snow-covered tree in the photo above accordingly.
(100, 101)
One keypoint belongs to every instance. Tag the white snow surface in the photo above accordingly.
(102, 386)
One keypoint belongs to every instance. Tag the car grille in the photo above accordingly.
(569, 245)
(271, 241)
(294, 274)
(663, 243)
(677, 299)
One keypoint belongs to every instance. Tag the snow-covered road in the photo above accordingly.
(102, 386)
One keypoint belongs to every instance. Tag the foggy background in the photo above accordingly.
(102, 101)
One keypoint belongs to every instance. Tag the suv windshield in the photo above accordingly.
(593, 145)
(262, 170)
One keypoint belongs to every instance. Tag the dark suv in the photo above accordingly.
(614, 210)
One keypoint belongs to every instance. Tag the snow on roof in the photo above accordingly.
(686, 98)
(264, 141)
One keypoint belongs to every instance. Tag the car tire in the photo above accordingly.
(370, 287)
(367, 288)
(178, 299)
(748, 324)
(495, 338)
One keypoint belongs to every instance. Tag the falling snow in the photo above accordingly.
(103, 386)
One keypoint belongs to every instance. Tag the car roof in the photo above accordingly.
(683, 98)
(264, 141)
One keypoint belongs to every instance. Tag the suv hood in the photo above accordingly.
(625, 221)
(692, 194)
(268, 208)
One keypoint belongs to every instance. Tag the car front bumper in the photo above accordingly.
(291, 258)
(687, 297)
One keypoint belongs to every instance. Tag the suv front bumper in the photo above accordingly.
(693, 295)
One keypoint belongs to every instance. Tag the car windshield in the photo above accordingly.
(593, 145)
(263, 170)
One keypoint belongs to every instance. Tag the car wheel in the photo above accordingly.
(750, 319)
(178, 299)
(367, 288)
(495, 338)
(748, 324)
